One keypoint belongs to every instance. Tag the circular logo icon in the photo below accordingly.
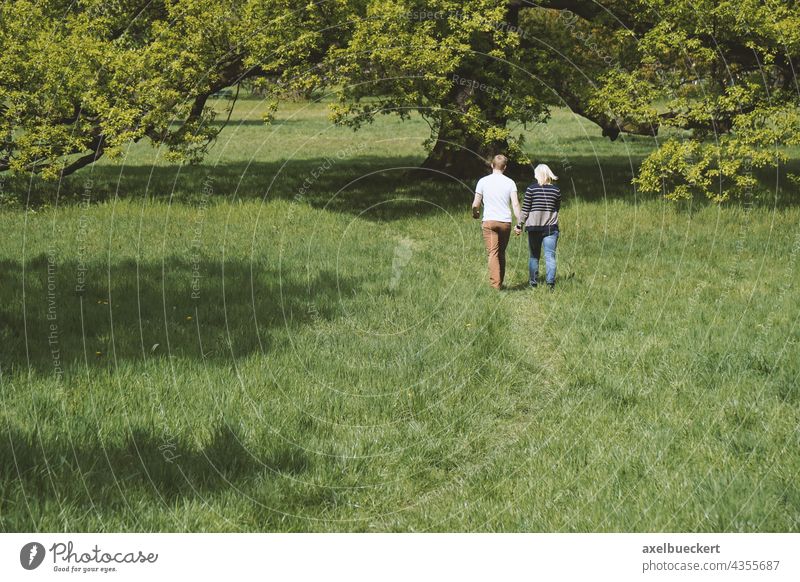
(31, 555)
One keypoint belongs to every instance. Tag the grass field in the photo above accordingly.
(295, 335)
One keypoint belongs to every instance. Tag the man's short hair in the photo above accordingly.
(499, 162)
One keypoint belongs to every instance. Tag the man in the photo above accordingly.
(498, 194)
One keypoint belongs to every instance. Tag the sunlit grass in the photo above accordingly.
(272, 341)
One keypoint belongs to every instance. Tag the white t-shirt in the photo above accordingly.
(496, 190)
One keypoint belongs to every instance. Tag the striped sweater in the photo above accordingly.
(540, 208)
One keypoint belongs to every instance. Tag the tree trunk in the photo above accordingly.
(458, 150)
(457, 153)
(460, 154)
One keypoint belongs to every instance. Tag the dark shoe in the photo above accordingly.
(551, 287)
(532, 284)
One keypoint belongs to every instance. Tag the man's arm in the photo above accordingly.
(515, 204)
(476, 205)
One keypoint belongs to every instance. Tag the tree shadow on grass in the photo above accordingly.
(183, 309)
(379, 189)
(376, 188)
(86, 475)
(373, 187)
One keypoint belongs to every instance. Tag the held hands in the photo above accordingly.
(517, 230)
(476, 212)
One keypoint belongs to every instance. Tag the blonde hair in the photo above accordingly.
(544, 175)
(499, 162)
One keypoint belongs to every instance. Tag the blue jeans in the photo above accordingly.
(537, 240)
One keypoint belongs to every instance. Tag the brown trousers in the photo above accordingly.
(496, 235)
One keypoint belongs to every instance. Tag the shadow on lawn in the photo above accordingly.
(155, 312)
(361, 185)
(101, 477)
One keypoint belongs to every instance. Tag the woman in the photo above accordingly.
(539, 218)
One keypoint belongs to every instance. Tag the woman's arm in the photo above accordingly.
(527, 203)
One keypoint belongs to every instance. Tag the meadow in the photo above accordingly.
(298, 335)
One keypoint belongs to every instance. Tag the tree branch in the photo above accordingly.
(85, 160)
(611, 127)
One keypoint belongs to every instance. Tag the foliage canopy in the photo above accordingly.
(79, 80)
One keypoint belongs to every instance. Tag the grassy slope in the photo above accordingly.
(345, 367)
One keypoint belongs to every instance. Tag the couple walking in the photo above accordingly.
(538, 216)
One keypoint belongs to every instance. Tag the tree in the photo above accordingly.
(82, 80)
(726, 70)
(455, 63)
(721, 71)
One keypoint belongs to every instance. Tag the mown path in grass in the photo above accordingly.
(344, 365)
